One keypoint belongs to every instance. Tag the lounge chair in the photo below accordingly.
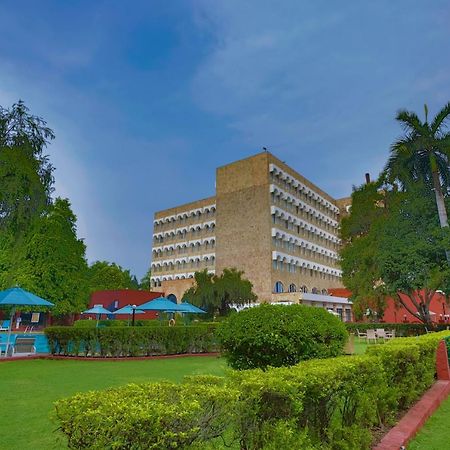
(24, 345)
(371, 336)
(5, 325)
(361, 335)
(390, 334)
(381, 333)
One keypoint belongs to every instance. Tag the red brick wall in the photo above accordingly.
(125, 297)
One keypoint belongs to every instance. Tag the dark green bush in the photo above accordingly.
(151, 416)
(123, 341)
(275, 335)
(327, 404)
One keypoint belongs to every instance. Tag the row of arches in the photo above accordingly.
(195, 213)
(188, 233)
(280, 261)
(281, 239)
(284, 178)
(183, 264)
(289, 219)
(156, 281)
(193, 247)
(292, 201)
(279, 289)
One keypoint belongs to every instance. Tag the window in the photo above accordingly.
(292, 287)
(279, 288)
(348, 315)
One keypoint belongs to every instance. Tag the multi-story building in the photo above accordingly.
(265, 219)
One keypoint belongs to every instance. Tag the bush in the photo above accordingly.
(278, 335)
(120, 341)
(328, 404)
(151, 416)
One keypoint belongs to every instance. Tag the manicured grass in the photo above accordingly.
(435, 433)
(29, 388)
(359, 346)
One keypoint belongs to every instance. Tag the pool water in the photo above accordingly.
(40, 342)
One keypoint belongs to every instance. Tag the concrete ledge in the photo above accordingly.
(415, 418)
(99, 358)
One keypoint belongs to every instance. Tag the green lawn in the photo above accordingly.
(29, 388)
(435, 433)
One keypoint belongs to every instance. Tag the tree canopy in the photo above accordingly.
(216, 293)
(103, 275)
(394, 246)
(51, 260)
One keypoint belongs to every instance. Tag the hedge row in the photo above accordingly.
(86, 323)
(318, 404)
(401, 329)
(131, 341)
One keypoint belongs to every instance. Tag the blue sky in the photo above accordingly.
(147, 98)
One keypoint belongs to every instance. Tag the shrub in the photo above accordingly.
(131, 341)
(275, 335)
(151, 416)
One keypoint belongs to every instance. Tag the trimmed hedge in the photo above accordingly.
(131, 341)
(278, 335)
(328, 404)
(401, 329)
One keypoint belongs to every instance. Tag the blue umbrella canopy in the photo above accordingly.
(97, 309)
(190, 308)
(128, 310)
(161, 304)
(17, 296)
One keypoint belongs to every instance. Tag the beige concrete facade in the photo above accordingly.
(265, 219)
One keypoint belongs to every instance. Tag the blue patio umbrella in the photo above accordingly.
(17, 296)
(130, 310)
(192, 309)
(160, 304)
(98, 310)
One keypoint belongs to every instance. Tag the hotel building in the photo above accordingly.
(265, 219)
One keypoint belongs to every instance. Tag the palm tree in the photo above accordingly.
(423, 153)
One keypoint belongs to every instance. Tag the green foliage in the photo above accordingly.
(25, 172)
(274, 335)
(123, 341)
(215, 293)
(424, 149)
(401, 252)
(103, 276)
(22, 195)
(145, 283)
(328, 404)
(51, 260)
(152, 416)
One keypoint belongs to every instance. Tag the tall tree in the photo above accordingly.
(400, 254)
(52, 260)
(423, 154)
(361, 273)
(29, 134)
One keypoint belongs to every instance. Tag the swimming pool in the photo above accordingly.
(40, 343)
